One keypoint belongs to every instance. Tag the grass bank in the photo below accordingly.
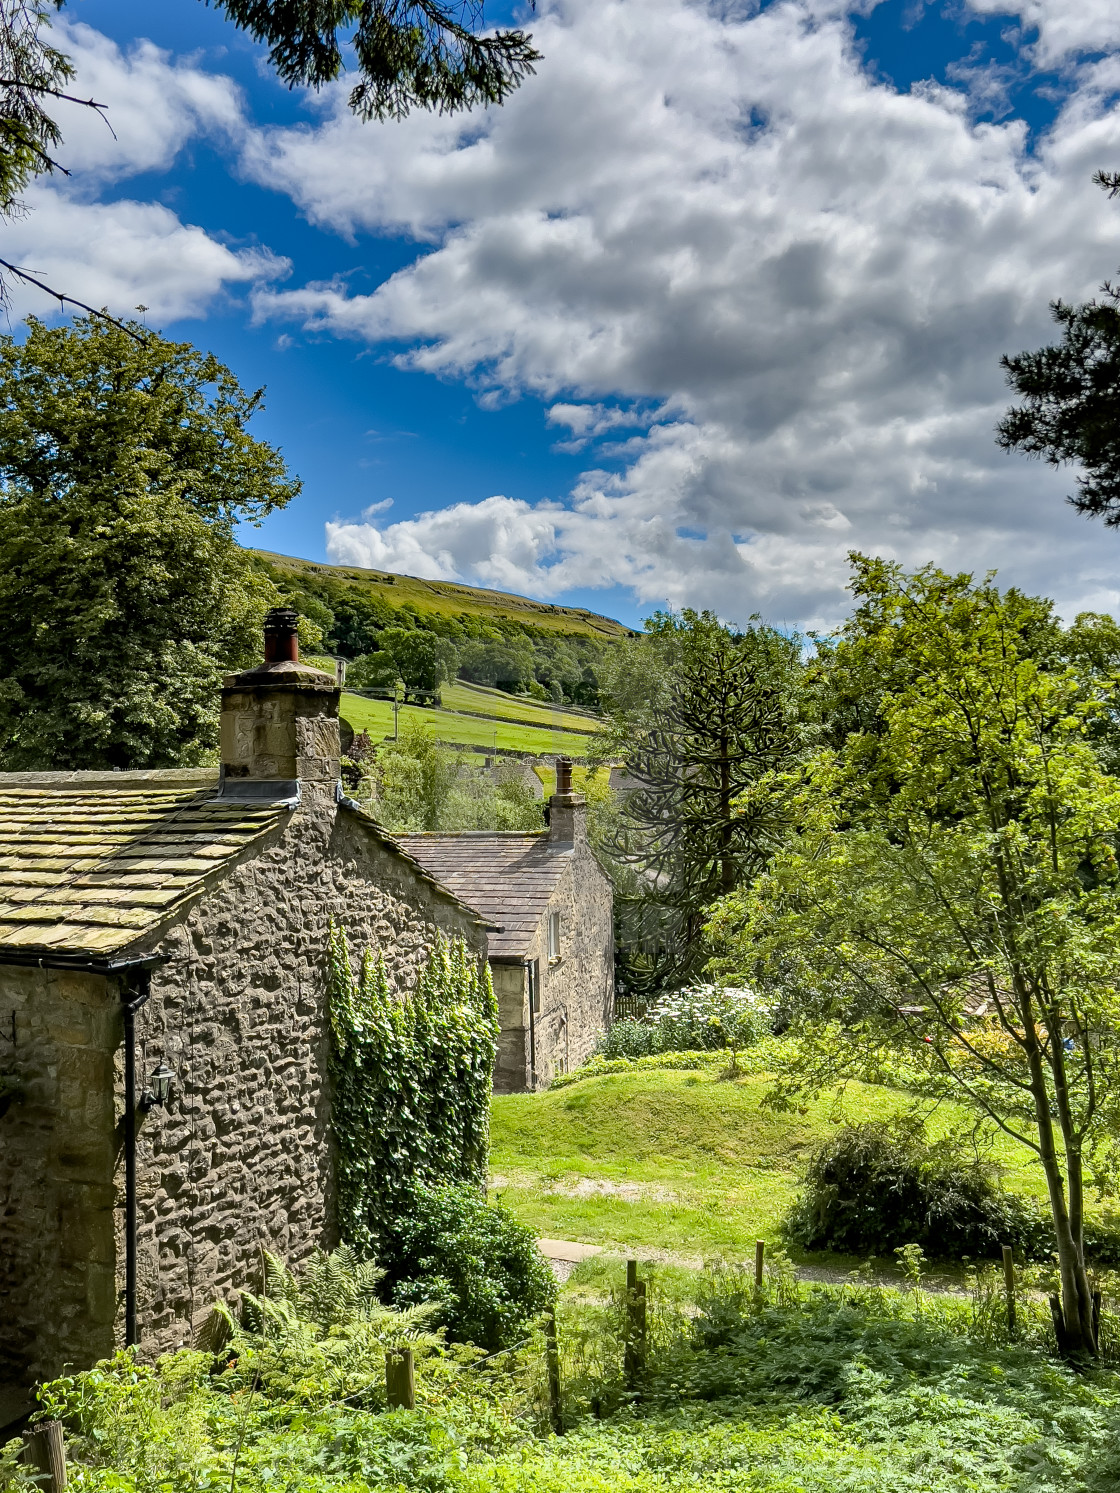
(687, 1163)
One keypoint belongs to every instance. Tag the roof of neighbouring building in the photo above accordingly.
(92, 861)
(508, 878)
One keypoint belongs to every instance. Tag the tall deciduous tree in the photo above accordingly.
(124, 465)
(952, 892)
(701, 715)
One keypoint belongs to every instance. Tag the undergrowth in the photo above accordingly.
(784, 1389)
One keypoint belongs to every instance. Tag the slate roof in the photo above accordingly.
(91, 862)
(508, 878)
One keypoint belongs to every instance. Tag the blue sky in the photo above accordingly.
(719, 296)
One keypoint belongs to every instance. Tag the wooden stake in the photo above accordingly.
(1059, 1323)
(759, 1257)
(552, 1363)
(634, 1360)
(400, 1379)
(1009, 1287)
(1097, 1319)
(45, 1451)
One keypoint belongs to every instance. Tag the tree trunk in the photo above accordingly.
(1077, 1297)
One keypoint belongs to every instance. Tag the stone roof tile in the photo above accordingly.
(91, 862)
(507, 878)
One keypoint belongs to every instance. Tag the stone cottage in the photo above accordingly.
(551, 945)
(163, 1017)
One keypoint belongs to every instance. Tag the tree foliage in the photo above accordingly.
(425, 54)
(1071, 393)
(952, 890)
(702, 716)
(124, 466)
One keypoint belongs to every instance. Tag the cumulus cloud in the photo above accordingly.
(719, 216)
(1065, 27)
(154, 106)
(123, 253)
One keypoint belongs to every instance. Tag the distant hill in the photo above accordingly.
(443, 599)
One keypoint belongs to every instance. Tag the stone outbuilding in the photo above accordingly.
(164, 1034)
(551, 945)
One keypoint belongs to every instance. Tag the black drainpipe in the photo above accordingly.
(135, 977)
(136, 990)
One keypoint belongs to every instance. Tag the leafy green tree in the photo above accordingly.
(702, 716)
(124, 466)
(1071, 394)
(419, 786)
(951, 894)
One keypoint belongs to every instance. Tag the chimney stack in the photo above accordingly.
(281, 636)
(567, 811)
(280, 722)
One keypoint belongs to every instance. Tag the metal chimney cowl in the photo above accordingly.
(280, 734)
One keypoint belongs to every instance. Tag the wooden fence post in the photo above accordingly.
(634, 1362)
(400, 1379)
(45, 1451)
(759, 1258)
(1097, 1318)
(552, 1363)
(1009, 1287)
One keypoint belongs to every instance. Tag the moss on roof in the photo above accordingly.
(90, 863)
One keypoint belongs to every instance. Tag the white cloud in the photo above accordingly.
(809, 276)
(154, 107)
(1065, 27)
(123, 254)
(126, 253)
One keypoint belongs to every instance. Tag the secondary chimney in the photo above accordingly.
(567, 811)
(280, 721)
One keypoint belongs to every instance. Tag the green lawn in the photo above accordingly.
(376, 717)
(687, 1163)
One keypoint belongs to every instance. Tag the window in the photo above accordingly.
(553, 936)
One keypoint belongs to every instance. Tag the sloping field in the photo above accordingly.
(454, 729)
(477, 699)
(450, 600)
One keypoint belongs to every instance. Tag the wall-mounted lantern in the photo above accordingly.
(159, 1087)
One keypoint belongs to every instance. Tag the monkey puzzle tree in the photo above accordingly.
(951, 889)
(700, 714)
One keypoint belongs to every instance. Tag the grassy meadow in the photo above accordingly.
(682, 1165)
(531, 732)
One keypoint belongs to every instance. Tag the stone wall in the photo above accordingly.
(577, 990)
(241, 1159)
(57, 1283)
(511, 1066)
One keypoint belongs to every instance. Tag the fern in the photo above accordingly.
(316, 1337)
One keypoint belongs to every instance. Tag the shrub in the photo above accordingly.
(627, 1039)
(874, 1187)
(702, 1018)
(473, 1259)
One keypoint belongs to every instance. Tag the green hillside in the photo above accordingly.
(454, 728)
(445, 598)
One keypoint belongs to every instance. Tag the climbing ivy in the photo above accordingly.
(412, 1080)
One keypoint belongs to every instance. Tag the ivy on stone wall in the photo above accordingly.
(412, 1079)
